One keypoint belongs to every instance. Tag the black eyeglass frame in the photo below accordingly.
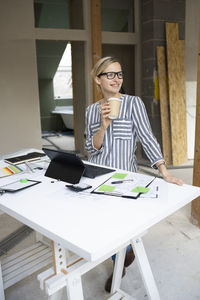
(115, 73)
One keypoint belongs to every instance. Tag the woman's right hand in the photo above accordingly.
(105, 111)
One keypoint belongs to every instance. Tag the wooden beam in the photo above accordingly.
(96, 38)
(138, 48)
(88, 51)
(119, 38)
(61, 34)
(164, 104)
(177, 95)
(196, 171)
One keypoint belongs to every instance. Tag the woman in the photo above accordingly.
(113, 142)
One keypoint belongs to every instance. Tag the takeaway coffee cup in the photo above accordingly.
(115, 107)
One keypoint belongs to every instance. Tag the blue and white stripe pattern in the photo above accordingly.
(119, 144)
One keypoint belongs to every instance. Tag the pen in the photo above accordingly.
(29, 166)
(121, 181)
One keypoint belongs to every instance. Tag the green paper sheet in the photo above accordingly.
(119, 175)
(140, 189)
(106, 188)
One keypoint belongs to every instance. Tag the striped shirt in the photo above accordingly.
(119, 144)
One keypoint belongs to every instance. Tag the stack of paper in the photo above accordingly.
(128, 186)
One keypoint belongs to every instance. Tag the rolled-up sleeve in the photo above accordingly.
(92, 126)
(144, 132)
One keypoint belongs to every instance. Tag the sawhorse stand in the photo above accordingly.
(67, 273)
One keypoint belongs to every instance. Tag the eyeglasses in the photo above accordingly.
(111, 75)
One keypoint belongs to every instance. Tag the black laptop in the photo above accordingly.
(68, 166)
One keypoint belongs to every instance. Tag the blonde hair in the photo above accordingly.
(102, 64)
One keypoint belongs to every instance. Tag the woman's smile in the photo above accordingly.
(111, 87)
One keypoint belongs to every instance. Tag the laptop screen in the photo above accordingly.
(67, 166)
(64, 165)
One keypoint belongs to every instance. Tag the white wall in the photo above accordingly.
(191, 54)
(19, 99)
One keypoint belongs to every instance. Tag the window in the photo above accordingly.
(62, 80)
(52, 14)
(117, 15)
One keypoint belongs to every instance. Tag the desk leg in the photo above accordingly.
(59, 258)
(57, 296)
(145, 269)
(38, 236)
(118, 268)
(2, 296)
(74, 288)
(73, 283)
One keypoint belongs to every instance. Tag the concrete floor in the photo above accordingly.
(172, 247)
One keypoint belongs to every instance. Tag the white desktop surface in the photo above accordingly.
(91, 225)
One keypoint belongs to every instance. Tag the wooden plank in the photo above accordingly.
(53, 255)
(164, 104)
(27, 267)
(15, 256)
(19, 265)
(20, 260)
(195, 213)
(182, 99)
(96, 38)
(176, 76)
(34, 268)
(25, 263)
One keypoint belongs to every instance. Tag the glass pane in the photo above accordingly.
(117, 15)
(62, 80)
(52, 13)
(54, 66)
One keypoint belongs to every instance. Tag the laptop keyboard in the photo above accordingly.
(93, 171)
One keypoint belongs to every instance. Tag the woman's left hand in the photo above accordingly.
(167, 176)
(172, 179)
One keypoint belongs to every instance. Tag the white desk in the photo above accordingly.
(92, 226)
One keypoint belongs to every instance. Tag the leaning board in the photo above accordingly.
(176, 75)
(196, 177)
(164, 104)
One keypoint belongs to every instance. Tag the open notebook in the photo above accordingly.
(22, 158)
